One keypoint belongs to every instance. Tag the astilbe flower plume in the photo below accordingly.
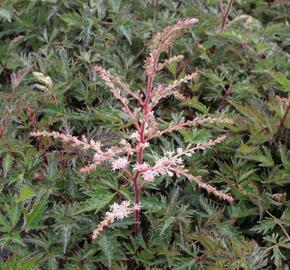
(117, 212)
(128, 156)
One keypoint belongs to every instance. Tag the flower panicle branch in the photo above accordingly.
(170, 164)
(162, 41)
(74, 141)
(209, 188)
(183, 124)
(174, 59)
(191, 150)
(117, 162)
(99, 155)
(117, 212)
(172, 161)
(111, 155)
(112, 82)
(17, 77)
(109, 78)
(161, 92)
(177, 83)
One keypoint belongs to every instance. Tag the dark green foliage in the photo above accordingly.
(49, 209)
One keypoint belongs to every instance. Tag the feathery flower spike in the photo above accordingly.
(117, 212)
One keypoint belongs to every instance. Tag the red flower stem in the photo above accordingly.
(128, 173)
(142, 184)
(137, 187)
(137, 201)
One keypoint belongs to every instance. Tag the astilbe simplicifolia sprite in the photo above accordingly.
(128, 155)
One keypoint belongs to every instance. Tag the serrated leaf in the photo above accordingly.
(277, 256)
(286, 215)
(230, 231)
(4, 224)
(186, 264)
(6, 14)
(35, 215)
(127, 32)
(265, 225)
(194, 103)
(101, 8)
(101, 200)
(14, 212)
(195, 136)
(254, 153)
(106, 116)
(66, 237)
(231, 35)
(26, 193)
(167, 224)
(106, 244)
(170, 254)
(172, 68)
(284, 157)
(72, 19)
(115, 5)
(282, 80)
(238, 211)
(20, 263)
(151, 203)
(6, 164)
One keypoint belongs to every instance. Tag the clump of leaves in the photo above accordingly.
(147, 128)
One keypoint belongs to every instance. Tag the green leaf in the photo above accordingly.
(254, 153)
(114, 5)
(265, 225)
(282, 80)
(151, 203)
(20, 263)
(14, 212)
(106, 116)
(7, 163)
(6, 14)
(195, 136)
(170, 254)
(172, 68)
(233, 36)
(240, 210)
(284, 157)
(66, 237)
(194, 103)
(35, 215)
(286, 215)
(4, 224)
(101, 7)
(230, 231)
(185, 264)
(106, 244)
(25, 194)
(167, 224)
(72, 19)
(127, 32)
(98, 202)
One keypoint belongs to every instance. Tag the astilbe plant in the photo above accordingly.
(129, 154)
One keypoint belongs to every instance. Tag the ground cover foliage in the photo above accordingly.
(49, 209)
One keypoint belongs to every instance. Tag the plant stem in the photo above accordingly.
(137, 201)
(225, 14)
(283, 119)
(137, 187)
(154, 7)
